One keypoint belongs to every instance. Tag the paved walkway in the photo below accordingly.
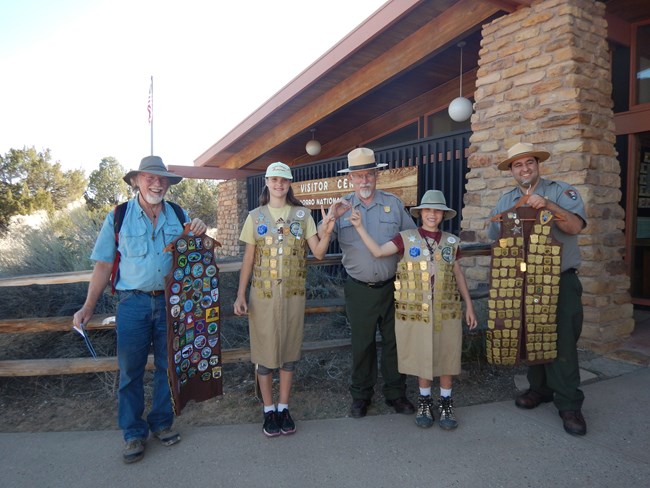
(496, 445)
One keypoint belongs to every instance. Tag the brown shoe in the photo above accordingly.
(359, 408)
(574, 422)
(531, 399)
(401, 405)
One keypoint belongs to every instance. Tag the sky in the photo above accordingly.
(77, 73)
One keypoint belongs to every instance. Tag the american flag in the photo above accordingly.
(150, 101)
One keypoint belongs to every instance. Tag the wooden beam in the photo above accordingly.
(400, 116)
(211, 173)
(61, 366)
(426, 41)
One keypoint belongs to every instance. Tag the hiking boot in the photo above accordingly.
(446, 411)
(168, 437)
(133, 451)
(287, 425)
(271, 426)
(359, 408)
(424, 416)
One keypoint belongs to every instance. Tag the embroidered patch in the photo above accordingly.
(447, 254)
(414, 251)
(262, 229)
(572, 194)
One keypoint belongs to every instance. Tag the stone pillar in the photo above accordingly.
(544, 78)
(232, 210)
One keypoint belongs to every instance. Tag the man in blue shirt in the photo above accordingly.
(149, 225)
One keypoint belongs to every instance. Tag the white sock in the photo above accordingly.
(269, 408)
(425, 391)
(282, 406)
(444, 392)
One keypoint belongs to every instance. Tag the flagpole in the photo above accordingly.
(151, 112)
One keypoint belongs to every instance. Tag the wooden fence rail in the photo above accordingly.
(59, 366)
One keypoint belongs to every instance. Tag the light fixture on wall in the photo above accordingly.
(312, 147)
(460, 108)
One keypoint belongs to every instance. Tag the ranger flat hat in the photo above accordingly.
(433, 199)
(155, 166)
(361, 159)
(520, 150)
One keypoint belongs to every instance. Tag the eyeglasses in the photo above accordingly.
(363, 176)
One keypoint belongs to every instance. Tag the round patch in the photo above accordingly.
(185, 365)
(206, 352)
(182, 260)
(194, 257)
(200, 341)
(447, 254)
(197, 284)
(206, 376)
(206, 301)
(176, 287)
(181, 245)
(196, 297)
(296, 229)
(178, 274)
(207, 258)
(212, 327)
(177, 357)
(195, 357)
(208, 242)
(175, 311)
(451, 240)
(203, 365)
(197, 270)
(414, 251)
(211, 270)
(188, 306)
(174, 299)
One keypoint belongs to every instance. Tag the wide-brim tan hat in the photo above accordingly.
(520, 150)
(155, 166)
(361, 159)
(433, 199)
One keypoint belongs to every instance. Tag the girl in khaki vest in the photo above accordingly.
(276, 235)
(428, 323)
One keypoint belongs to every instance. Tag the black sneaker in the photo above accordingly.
(271, 427)
(287, 425)
(446, 411)
(424, 416)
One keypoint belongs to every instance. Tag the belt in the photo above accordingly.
(376, 284)
(153, 293)
(570, 270)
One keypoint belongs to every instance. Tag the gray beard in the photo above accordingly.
(364, 193)
(151, 200)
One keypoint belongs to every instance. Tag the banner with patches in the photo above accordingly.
(193, 321)
(524, 288)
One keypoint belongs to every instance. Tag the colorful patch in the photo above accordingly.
(447, 254)
(572, 194)
(414, 251)
(262, 229)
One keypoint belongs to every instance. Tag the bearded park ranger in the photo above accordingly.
(537, 223)
(136, 249)
(369, 290)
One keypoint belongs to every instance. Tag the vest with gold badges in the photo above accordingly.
(423, 259)
(280, 252)
(524, 288)
(428, 326)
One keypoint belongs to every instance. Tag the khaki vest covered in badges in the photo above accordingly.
(280, 252)
(414, 300)
(524, 288)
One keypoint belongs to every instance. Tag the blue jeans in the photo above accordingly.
(142, 321)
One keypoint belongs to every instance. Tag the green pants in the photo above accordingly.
(562, 376)
(368, 309)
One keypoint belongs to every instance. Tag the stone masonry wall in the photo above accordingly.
(232, 210)
(544, 78)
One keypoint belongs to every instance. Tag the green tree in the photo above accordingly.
(29, 181)
(106, 188)
(198, 198)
